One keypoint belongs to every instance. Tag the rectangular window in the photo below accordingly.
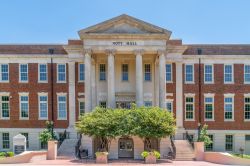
(61, 107)
(229, 143)
(27, 139)
(169, 106)
(210, 147)
(102, 72)
(43, 73)
(24, 106)
(81, 69)
(103, 104)
(209, 108)
(189, 73)
(147, 72)
(228, 108)
(124, 72)
(189, 108)
(61, 73)
(168, 72)
(247, 74)
(247, 108)
(23, 73)
(44, 145)
(208, 74)
(5, 107)
(148, 103)
(81, 107)
(6, 140)
(4, 72)
(228, 73)
(43, 107)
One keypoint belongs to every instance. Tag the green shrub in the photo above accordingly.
(101, 153)
(6, 154)
(145, 154)
(10, 154)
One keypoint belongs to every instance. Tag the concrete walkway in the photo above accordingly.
(66, 162)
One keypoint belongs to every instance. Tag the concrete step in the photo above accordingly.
(184, 151)
(67, 149)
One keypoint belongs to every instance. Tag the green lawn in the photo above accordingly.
(244, 156)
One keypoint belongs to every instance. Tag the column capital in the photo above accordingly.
(162, 52)
(110, 51)
(87, 51)
(139, 52)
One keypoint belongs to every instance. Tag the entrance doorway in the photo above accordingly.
(125, 148)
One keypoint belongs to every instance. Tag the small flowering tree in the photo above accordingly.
(48, 133)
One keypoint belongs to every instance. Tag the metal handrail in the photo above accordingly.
(173, 146)
(190, 139)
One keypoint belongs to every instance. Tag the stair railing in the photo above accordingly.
(190, 139)
(77, 147)
(173, 146)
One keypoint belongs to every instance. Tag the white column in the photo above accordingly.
(156, 87)
(179, 95)
(111, 78)
(93, 84)
(87, 84)
(72, 94)
(139, 78)
(162, 79)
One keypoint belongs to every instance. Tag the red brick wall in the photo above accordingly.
(219, 89)
(33, 87)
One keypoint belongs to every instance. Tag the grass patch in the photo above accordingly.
(245, 156)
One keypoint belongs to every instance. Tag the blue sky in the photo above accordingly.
(56, 21)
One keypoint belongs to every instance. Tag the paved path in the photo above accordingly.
(41, 160)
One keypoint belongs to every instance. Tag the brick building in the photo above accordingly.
(117, 62)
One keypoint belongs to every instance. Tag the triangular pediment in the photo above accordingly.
(124, 25)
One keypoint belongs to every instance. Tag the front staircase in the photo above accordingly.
(184, 150)
(67, 149)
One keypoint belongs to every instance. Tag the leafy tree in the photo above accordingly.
(104, 125)
(48, 133)
(146, 122)
(153, 123)
(203, 137)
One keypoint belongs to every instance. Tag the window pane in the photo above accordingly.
(43, 72)
(4, 72)
(124, 72)
(81, 72)
(102, 72)
(61, 72)
(6, 140)
(147, 72)
(189, 73)
(168, 72)
(208, 73)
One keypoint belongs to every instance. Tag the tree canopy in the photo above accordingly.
(145, 122)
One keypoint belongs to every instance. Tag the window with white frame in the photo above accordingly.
(6, 140)
(4, 73)
(27, 139)
(124, 72)
(247, 74)
(247, 108)
(148, 103)
(23, 73)
(61, 73)
(210, 146)
(169, 105)
(229, 140)
(24, 106)
(209, 107)
(5, 107)
(43, 73)
(103, 104)
(81, 69)
(228, 73)
(168, 72)
(147, 72)
(189, 73)
(102, 72)
(43, 106)
(228, 107)
(189, 107)
(208, 73)
(81, 107)
(62, 107)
